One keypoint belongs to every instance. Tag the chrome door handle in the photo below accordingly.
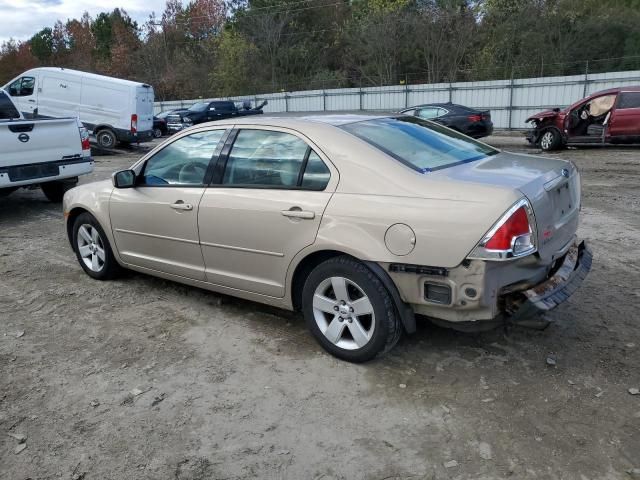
(180, 205)
(297, 213)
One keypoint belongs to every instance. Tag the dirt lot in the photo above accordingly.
(236, 390)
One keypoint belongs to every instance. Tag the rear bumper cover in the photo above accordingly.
(554, 290)
(34, 173)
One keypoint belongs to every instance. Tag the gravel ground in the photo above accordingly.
(142, 378)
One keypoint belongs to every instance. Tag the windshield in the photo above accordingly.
(198, 107)
(422, 145)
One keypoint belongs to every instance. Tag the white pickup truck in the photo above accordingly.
(49, 153)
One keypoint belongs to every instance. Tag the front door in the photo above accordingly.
(625, 118)
(266, 207)
(155, 224)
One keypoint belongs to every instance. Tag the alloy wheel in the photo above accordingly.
(546, 140)
(91, 247)
(343, 313)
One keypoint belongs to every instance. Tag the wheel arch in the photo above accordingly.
(544, 128)
(71, 219)
(313, 259)
(302, 270)
(103, 126)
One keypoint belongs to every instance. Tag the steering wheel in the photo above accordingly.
(192, 173)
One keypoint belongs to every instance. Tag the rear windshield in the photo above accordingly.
(422, 145)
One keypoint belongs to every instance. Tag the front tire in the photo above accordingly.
(550, 140)
(157, 133)
(349, 310)
(92, 248)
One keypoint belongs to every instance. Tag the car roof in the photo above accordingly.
(635, 88)
(297, 121)
(93, 76)
(448, 105)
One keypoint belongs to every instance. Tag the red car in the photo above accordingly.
(605, 117)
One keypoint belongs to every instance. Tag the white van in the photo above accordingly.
(112, 108)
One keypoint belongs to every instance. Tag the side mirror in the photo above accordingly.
(124, 179)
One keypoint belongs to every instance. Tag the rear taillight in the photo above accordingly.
(134, 123)
(511, 236)
(84, 138)
(475, 118)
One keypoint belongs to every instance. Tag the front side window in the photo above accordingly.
(629, 100)
(422, 145)
(22, 87)
(7, 109)
(183, 162)
(265, 158)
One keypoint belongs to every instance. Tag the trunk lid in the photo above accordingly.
(552, 187)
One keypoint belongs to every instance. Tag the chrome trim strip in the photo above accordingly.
(557, 182)
(162, 237)
(242, 249)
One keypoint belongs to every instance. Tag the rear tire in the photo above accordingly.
(550, 140)
(106, 138)
(349, 310)
(54, 191)
(92, 248)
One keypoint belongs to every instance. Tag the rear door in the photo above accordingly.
(625, 118)
(265, 208)
(144, 108)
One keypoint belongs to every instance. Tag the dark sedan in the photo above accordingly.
(160, 123)
(469, 121)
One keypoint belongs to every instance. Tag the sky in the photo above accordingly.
(22, 18)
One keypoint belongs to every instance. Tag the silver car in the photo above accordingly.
(360, 222)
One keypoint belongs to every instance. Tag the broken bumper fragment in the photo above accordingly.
(555, 289)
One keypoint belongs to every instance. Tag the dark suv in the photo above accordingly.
(608, 116)
(207, 111)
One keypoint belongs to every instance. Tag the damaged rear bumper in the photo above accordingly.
(522, 306)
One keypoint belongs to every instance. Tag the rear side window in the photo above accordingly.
(629, 100)
(222, 106)
(422, 145)
(270, 159)
(316, 174)
(7, 109)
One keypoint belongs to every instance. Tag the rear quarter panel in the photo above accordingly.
(446, 229)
